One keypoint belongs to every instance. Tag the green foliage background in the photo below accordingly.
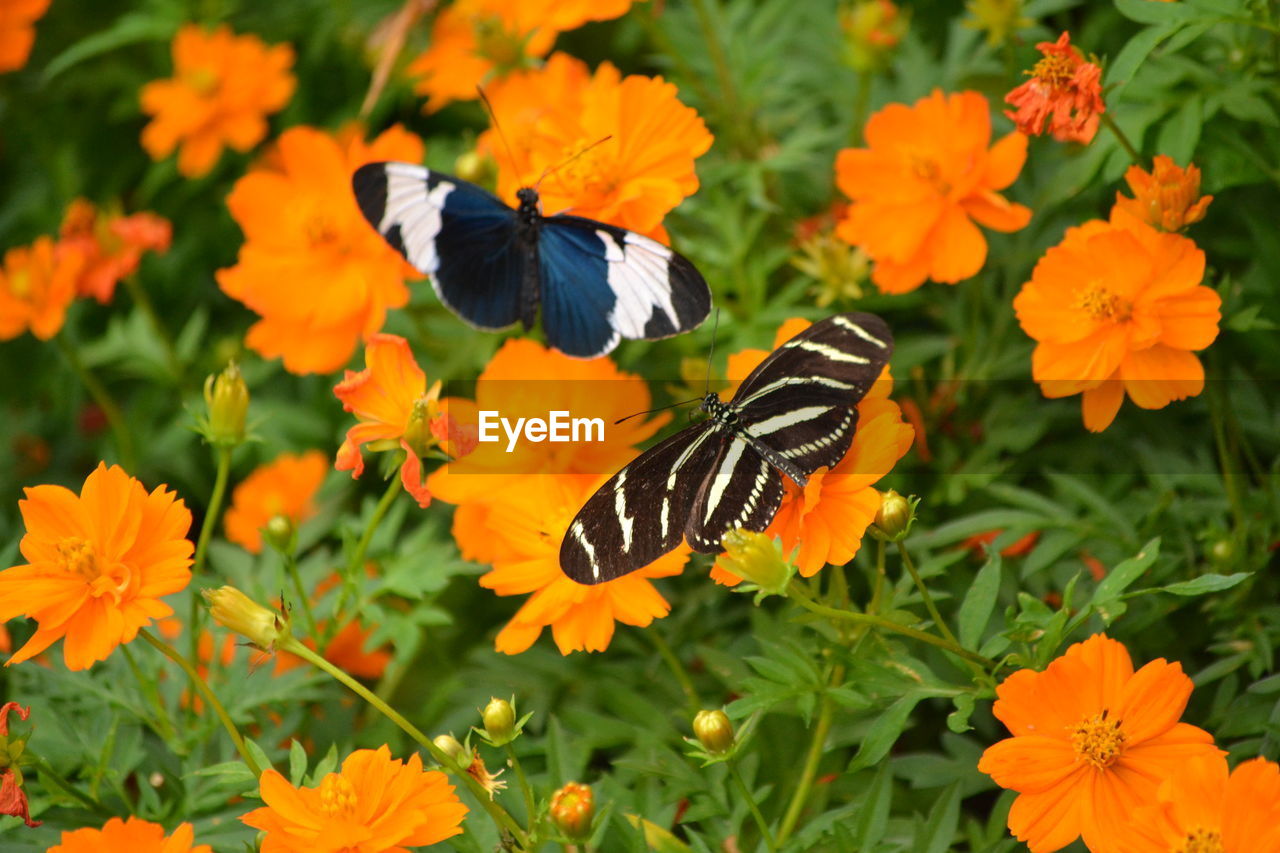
(1162, 498)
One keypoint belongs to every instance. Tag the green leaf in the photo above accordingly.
(130, 28)
(297, 762)
(958, 720)
(873, 817)
(1123, 575)
(1180, 134)
(259, 755)
(940, 829)
(884, 732)
(1135, 51)
(656, 837)
(1151, 12)
(1202, 585)
(979, 602)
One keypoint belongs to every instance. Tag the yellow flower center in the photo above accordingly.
(1101, 304)
(337, 796)
(79, 557)
(1098, 740)
(496, 43)
(321, 230)
(20, 283)
(928, 171)
(1202, 841)
(203, 80)
(584, 166)
(1054, 70)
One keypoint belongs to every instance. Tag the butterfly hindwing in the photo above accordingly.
(740, 489)
(452, 230)
(639, 514)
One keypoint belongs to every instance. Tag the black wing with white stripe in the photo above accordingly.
(792, 415)
(493, 265)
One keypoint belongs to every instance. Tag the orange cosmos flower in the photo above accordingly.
(394, 408)
(375, 804)
(97, 564)
(134, 835)
(111, 244)
(1091, 741)
(222, 90)
(17, 31)
(926, 176)
(1202, 809)
(286, 486)
(473, 41)
(1165, 197)
(1064, 89)
(1118, 307)
(826, 519)
(37, 283)
(530, 519)
(527, 379)
(318, 275)
(613, 148)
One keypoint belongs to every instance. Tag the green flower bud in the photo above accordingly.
(714, 731)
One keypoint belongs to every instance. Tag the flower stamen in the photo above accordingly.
(1098, 740)
(1202, 841)
(337, 796)
(1101, 304)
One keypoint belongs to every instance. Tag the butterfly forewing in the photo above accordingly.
(640, 513)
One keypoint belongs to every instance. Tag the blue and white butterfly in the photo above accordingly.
(492, 264)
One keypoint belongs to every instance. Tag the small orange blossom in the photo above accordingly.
(285, 486)
(17, 31)
(1165, 197)
(112, 244)
(37, 283)
(134, 835)
(1064, 89)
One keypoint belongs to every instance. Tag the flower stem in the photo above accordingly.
(677, 669)
(355, 565)
(195, 613)
(761, 824)
(49, 775)
(861, 100)
(291, 568)
(529, 803)
(202, 688)
(100, 395)
(801, 596)
(140, 298)
(728, 91)
(164, 726)
(813, 757)
(500, 816)
(924, 594)
(1120, 136)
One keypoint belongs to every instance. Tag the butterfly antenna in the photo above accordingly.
(715, 326)
(659, 409)
(553, 169)
(493, 117)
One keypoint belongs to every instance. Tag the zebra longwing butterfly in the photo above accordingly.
(792, 415)
(492, 264)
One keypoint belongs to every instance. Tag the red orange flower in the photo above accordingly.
(134, 835)
(375, 804)
(111, 244)
(926, 175)
(1118, 307)
(285, 486)
(1202, 808)
(37, 283)
(827, 519)
(1165, 197)
(13, 797)
(980, 544)
(1064, 89)
(97, 564)
(394, 408)
(473, 41)
(223, 88)
(318, 275)
(1091, 741)
(613, 148)
(531, 519)
(17, 31)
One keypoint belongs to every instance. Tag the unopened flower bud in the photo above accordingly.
(757, 559)
(872, 29)
(894, 516)
(417, 434)
(714, 731)
(227, 399)
(450, 746)
(280, 533)
(572, 809)
(232, 609)
(499, 722)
